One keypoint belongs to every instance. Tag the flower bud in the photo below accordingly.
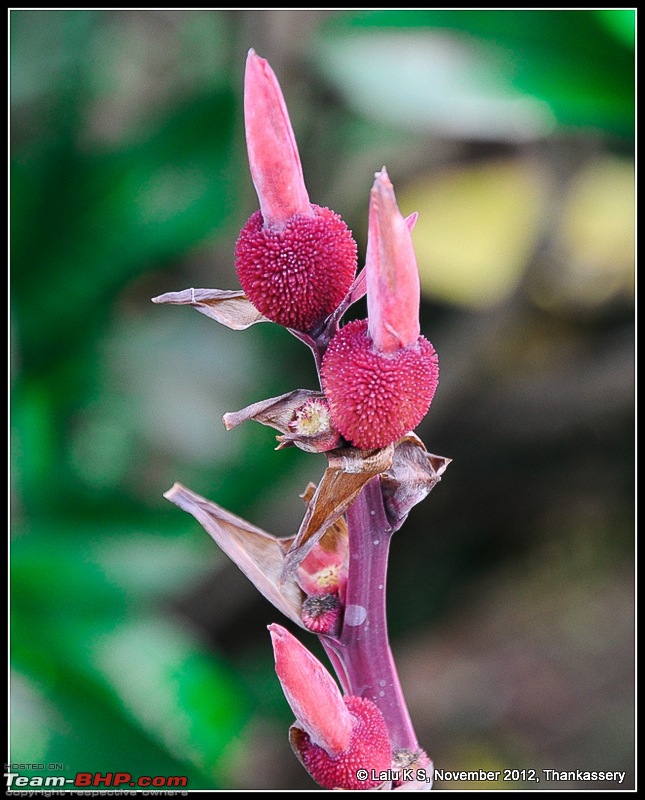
(334, 736)
(295, 260)
(379, 374)
(322, 613)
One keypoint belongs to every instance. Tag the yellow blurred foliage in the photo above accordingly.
(477, 226)
(595, 245)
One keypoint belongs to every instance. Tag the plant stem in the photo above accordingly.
(363, 649)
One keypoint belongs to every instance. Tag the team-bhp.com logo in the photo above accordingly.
(86, 780)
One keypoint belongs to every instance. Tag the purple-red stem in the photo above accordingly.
(361, 654)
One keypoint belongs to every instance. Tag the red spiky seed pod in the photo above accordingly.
(298, 274)
(377, 397)
(368, 750)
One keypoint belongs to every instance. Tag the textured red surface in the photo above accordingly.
(298, 275)
(375, 398)
(369, 749)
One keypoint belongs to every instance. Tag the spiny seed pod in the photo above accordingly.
(298, 275)
(380, 374)
(333, 736)
(295, 260)
(376, 397)
(369, 747)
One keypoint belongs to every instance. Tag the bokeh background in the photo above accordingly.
(135, 644)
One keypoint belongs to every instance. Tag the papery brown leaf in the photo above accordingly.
(355, 462)
(302, 416)
(276, 412)
(413, 474)
(310, 444)
(310, 490)
(230, 308)
(336, 537)
(258, 554)
(347, 473)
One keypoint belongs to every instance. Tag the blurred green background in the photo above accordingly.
(135, 644)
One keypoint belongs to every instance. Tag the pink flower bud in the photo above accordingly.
(273, 153)
(393, 289)
(334, 737)
(312, 693)
(295, 260)
(379, 374)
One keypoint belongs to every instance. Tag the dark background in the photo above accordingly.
(135, 644)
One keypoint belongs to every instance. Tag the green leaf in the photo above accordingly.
(168, 683)
(504, 75)
(102, 218)
(620, 22)
(72, 728)
(83, 569)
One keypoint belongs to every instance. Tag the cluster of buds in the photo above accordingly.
(296, 263)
